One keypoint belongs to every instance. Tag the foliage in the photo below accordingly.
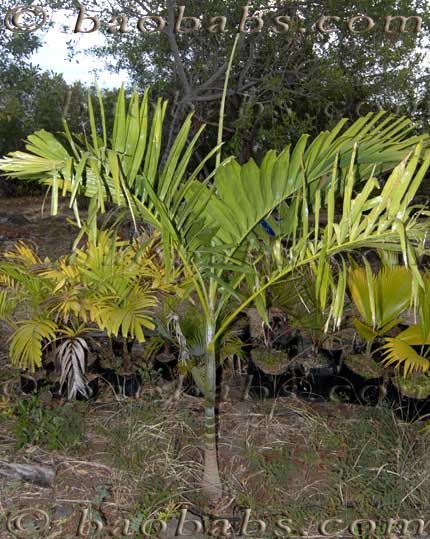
(32, 100)
(283, 84)
(399, 350)
(212, 229)
(119, 169)
(382, 300)
(52, 428)
(110, 285)
(180, 328)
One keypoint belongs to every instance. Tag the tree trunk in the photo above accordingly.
(211, 482)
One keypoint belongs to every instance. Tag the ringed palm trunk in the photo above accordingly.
(211, 482)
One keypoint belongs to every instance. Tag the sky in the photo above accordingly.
(53, 55)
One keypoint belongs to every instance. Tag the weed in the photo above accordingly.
(375, 465)
(149, 375)
(132, 437)
(60, 428)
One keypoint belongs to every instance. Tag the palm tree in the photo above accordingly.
(213, 228)
(382, 300)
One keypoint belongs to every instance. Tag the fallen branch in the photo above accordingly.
(31, 473)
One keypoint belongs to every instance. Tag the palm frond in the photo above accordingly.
(71, 354)
(121, 169)
(380, 220)
(398, 352)
(128, 316)
(246, 195)
(380, 298)
(27, 342)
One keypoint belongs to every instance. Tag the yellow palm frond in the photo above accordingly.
(26, 342)
(399, 353)
(127, 317)
(24, 254)
(359, 291)
(379, 298)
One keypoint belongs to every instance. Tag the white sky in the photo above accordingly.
(53, 55)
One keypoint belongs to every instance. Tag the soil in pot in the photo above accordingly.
(269, 372)
(365, 377)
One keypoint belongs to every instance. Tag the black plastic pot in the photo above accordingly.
(269, 382)
(313, 383)
(127, 384)
(94, 387)
(33, 384)
(360, 389)
(165, 364)
(318, 383)
(407, 408)
(29, 384)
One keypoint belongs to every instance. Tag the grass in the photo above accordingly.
(307, 462)
(62, 428)
(145, 441)
(362, 463)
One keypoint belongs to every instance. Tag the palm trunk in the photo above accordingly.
(211, 482)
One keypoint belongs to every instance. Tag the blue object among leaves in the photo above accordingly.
(267, 228)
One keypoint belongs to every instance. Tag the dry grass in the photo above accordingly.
(311, 460)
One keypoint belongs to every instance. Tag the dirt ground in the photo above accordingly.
(132, 460)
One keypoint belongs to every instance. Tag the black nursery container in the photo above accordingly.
(359, 380)
(270, 373)
(166, 364)
(410, 397)
(127, 385)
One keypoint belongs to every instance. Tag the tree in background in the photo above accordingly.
(282, 83)
(32, 99)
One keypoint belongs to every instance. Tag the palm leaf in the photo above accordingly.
(26, 342)
(399, 353)
(128, 316)
(375, 227)
(117, 170)
(380, 298)
(71, 354)
(246, 195)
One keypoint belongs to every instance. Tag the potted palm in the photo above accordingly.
(58, 305)
(385, 302)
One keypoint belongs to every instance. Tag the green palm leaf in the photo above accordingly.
(246, 195)
(117, 170)
(26, 342)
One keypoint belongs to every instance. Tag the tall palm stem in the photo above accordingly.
(211, 482)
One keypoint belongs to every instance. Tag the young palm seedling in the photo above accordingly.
(109, 285)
